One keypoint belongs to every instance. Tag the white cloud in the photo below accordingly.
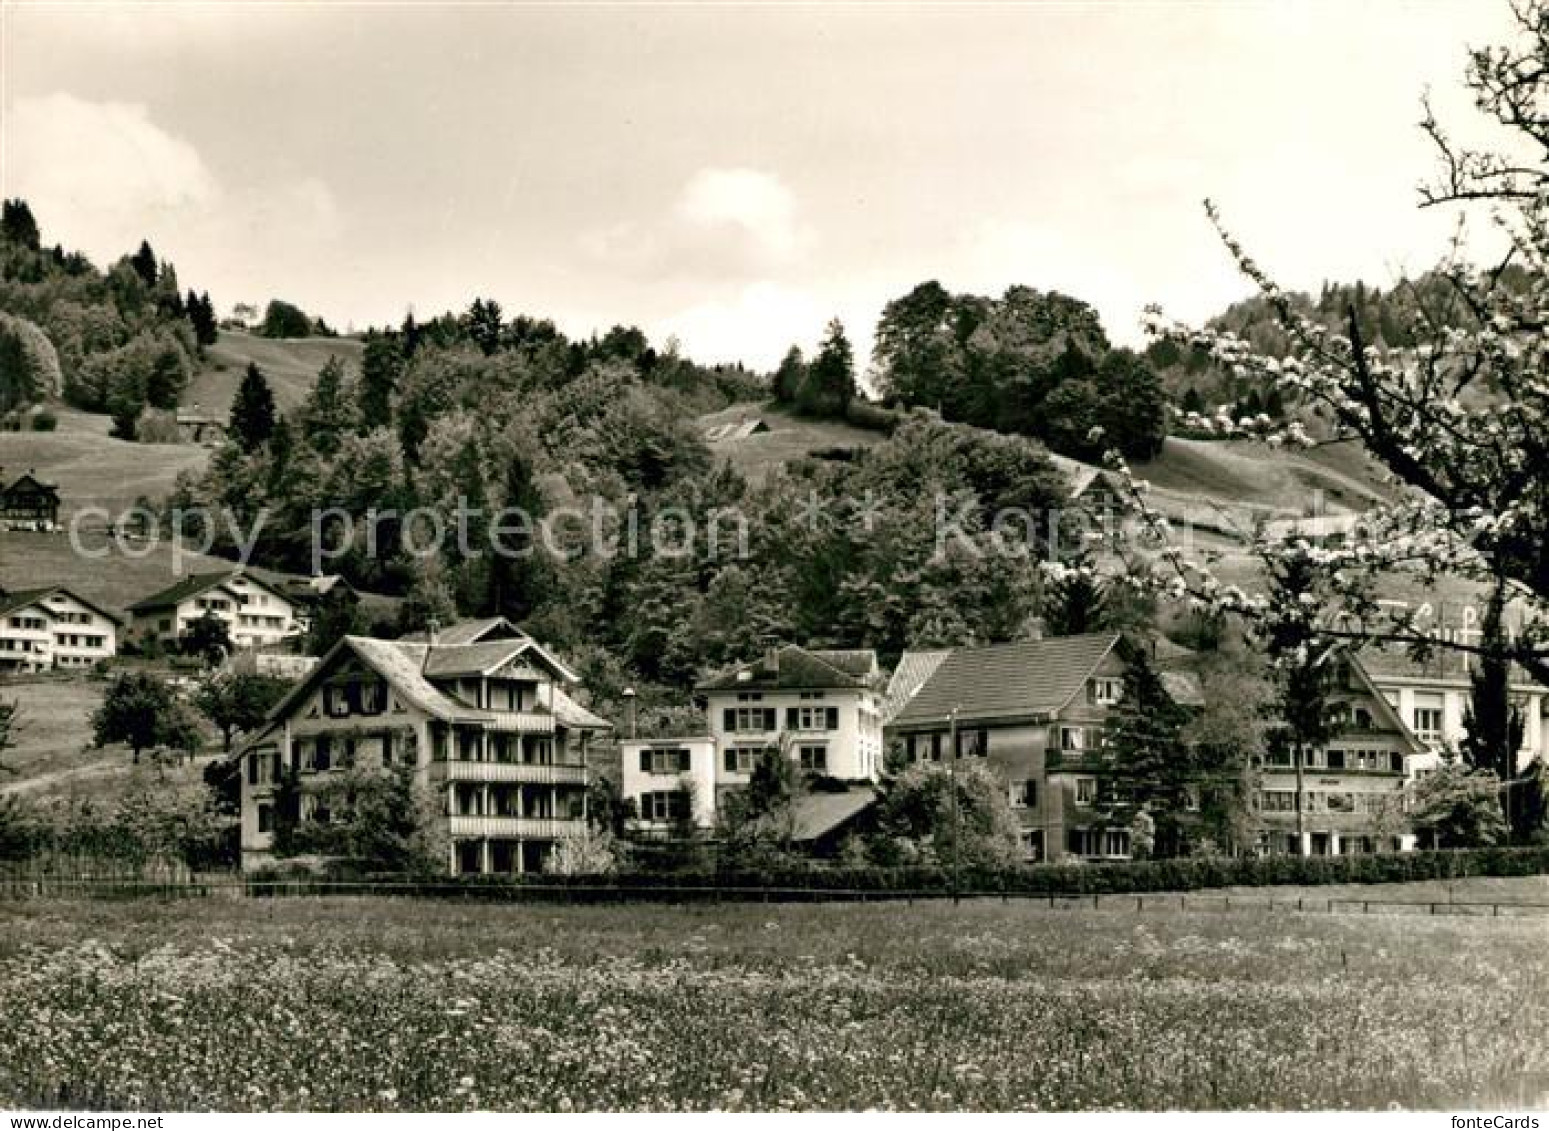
(724, 224)
(755, 203)
(102, 176)
(102, 172)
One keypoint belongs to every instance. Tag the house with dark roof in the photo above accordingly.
(257, 612)
(489, 722)
(28, 503)
(1035, 710)
(53, 627)
(821, 707)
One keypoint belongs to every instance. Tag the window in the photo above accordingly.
(1032, 845)
(1315, 759)
(336, 701)
(749, 697)
(813, 695)
(664, 760)
(373, 698)
(814, 759)
(1428, 723)
(1277, 801)
(266, 818)
(812, 718)
(1336, 759)
(753, 720)
(1105, 692)
(1024, 794)
(664, 805)
(322, 753)
(1072, 738)
(1086, 791)
(1115, 842)
(973, 743)
(252, 769)
(741, 759)
(1340, 802)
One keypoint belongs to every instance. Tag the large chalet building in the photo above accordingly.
(823, 707)
(53, 627)
(1353, 788)
(257, 613)
(481, 711)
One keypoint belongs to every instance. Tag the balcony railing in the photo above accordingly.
(528, 773)
(520, 722)
(525, 828)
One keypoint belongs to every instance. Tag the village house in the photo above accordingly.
(824, 708)
(484, 715)
(53, 627)
(1353, 788)
(197, 427)
(256, 613)
(1034, 710)
(28, 503)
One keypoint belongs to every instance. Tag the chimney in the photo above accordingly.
(772, 659)
(629, 712)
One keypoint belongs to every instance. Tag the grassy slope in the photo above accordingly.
(53, 755)
(789, 438)
(93, 469)
(118, 580)
(290, 364)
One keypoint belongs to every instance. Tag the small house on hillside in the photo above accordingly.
(28, 503)
(198, 427)
(735, 430)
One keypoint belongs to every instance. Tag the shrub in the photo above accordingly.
(44, 421)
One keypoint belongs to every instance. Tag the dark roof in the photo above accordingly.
(471, 659)
(795, 669)
(474, 632)
(816, 815)
(30, 477)
(1025, 679)
(190, 586)
(16, 600)
(861, 662)
(10, 601)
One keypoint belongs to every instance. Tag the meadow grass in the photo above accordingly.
(386, 1004)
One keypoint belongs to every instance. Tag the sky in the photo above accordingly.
(734, 175)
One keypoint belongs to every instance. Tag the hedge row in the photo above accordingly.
(1034, 880)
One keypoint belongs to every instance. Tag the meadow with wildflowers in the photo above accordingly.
(381, 1004)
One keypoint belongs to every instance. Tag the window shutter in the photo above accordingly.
(729, 719)
(792, 718)
(683, 761)
(730, 760)
(769, 719)
(645, 761)
(833, 717)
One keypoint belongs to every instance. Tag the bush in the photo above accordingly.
(872, 417)
(809, 881)
(44, 421)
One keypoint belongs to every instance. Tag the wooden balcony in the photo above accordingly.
(514, 828)
(525, 773)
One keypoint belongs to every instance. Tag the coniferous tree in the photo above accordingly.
(830, 382)
(791, 376)
(1151, 766)
(145, 264)
(252, 413)
(380, 367)
(1493, 727)
(18, 226)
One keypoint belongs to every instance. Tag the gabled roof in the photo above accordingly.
(860, 662)
(1445, 666)
(1027, 679)
(32, 478)
(474, 632)
(197, 583)
(1384, 709)
(913, 669)
(794, 668)
(21, 597)
(403, 664)
(446, 661)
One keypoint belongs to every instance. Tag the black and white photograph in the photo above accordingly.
(762, 556)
